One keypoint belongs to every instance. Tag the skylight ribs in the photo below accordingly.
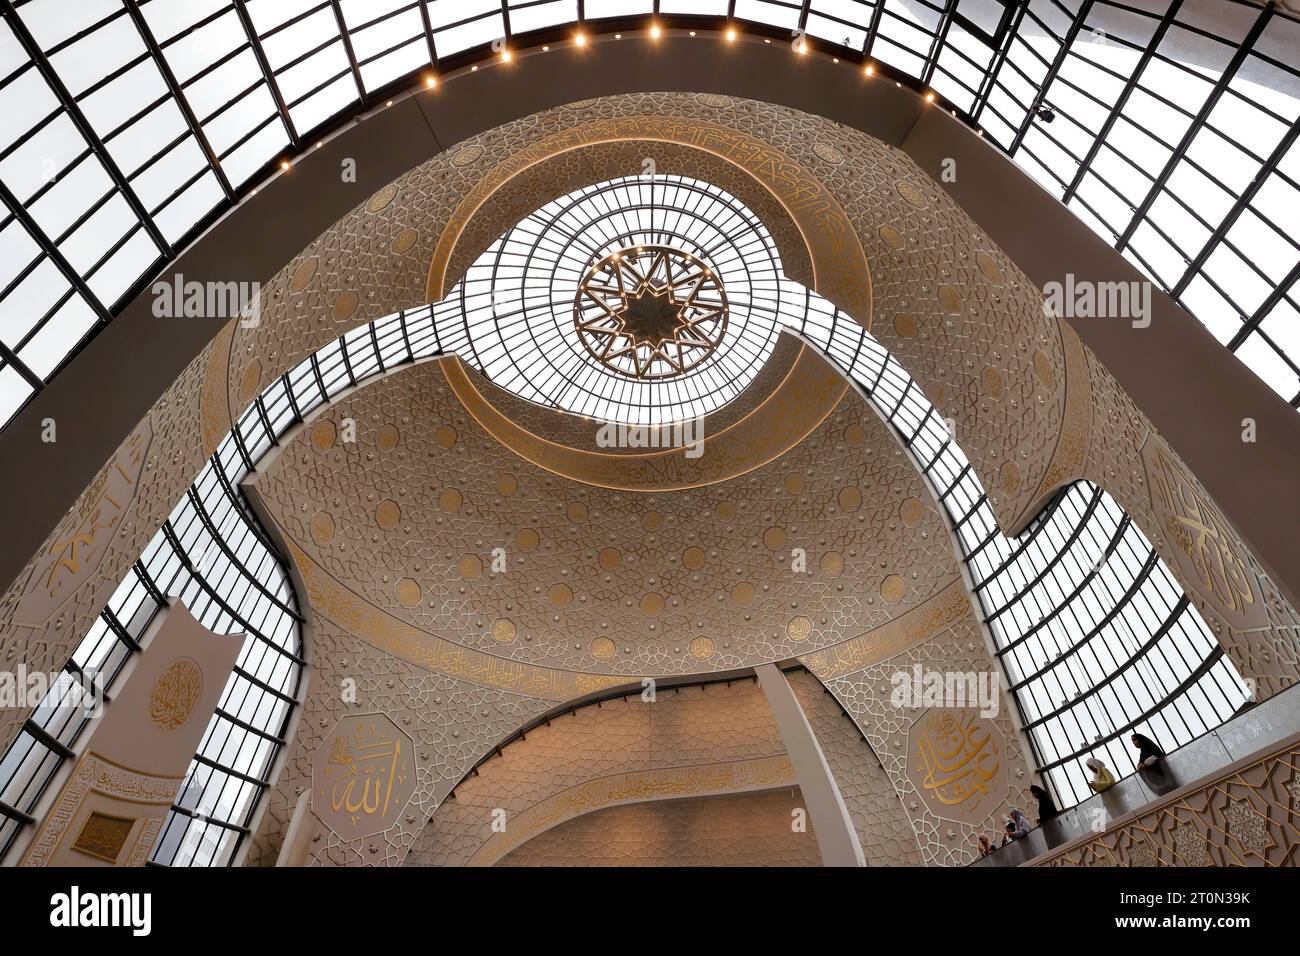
(310, 59)
(1129, 86)
(254, 43)
(1198, 122)
(72, 109)
(460, 25)
(174, 88)
(906, 34)
(1181, 153)
(223, 97)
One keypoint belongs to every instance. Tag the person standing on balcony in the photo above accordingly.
(1046, 805)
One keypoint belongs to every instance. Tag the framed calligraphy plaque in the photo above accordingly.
(957, 762)
(363, 775)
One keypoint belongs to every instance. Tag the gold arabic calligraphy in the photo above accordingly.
(369, 770)
(1202, 535)
(77, 548)
(959, 756)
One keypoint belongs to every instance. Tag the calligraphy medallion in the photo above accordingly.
(956, 760)
(363, 775)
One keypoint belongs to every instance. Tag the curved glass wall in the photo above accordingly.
(1169, 126)
(211, 556)
(1095, 636)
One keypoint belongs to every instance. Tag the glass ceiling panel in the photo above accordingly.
(596, 9)
(540, 15)
(1168, 126)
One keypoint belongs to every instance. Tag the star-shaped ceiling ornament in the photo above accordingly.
(650, 312)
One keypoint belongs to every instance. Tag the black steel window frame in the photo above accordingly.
(1006, 63)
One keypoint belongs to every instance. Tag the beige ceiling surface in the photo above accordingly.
(833, 553)
(734, 830)
(407, 520)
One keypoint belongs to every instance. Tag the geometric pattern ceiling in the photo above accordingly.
(516, 303)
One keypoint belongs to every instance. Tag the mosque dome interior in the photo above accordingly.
(649, 434)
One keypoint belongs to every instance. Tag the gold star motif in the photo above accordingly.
(650, 312)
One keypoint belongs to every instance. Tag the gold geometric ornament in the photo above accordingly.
(650, 312)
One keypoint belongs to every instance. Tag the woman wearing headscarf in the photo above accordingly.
(1018, 826)
(1046, 805)
(1102, 778)
(1149, 753)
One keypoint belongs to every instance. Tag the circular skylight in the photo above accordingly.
(642, 300)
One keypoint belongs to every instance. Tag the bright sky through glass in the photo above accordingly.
(130, 125)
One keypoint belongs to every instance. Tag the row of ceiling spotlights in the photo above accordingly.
(800, 46)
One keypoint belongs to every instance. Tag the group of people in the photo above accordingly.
(1017, 825)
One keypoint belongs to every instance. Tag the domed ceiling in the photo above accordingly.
(535, 425)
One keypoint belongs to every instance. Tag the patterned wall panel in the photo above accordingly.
(883, 825)
(451, 723)
(135, 760)
(863, 682)
(50, 606)
(750, 829)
